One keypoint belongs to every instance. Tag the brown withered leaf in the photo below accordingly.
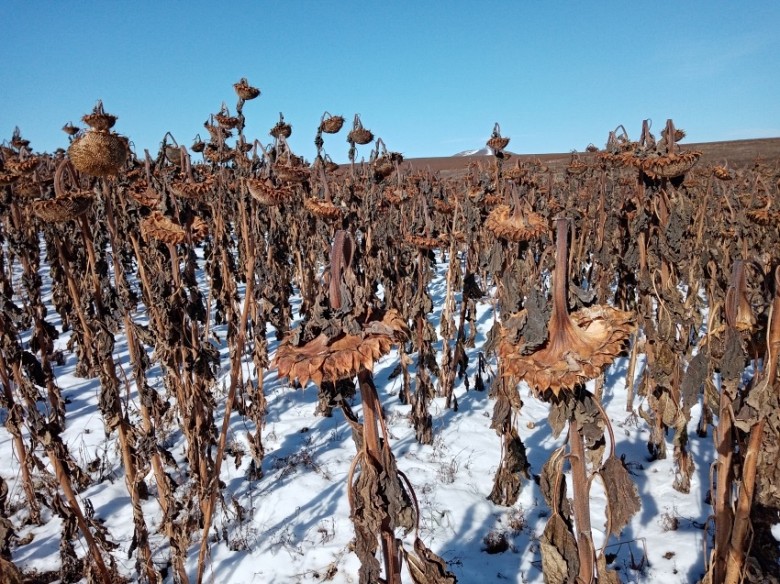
(11, 574)
(606, 576)
(733, 362)
(682, 458)
(560, 412)
(668, 409)
(502, 413)
(591, 427)
(399, 503)
(560, 560)
(367, 516)
(590, 421)
(693, 380)
(426, 567)
(549, 480)
(621, 492)
(768, 472)
(514, 466)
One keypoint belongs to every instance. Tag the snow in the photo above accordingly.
(484, 151)
(296, 525)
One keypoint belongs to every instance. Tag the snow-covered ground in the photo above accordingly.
(292, 525)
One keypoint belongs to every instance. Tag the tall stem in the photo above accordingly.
(372, 415)
(13, 424)
(125, 433)
(235, 374)
(740, 535)
(561, 270)
(579, 477)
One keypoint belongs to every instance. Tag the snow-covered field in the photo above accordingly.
(293, 525)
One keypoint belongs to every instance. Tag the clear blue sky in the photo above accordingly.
(429, 78)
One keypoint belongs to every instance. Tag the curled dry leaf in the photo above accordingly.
(560, 559)
(622, 494)
(426, 567)
(514, 467)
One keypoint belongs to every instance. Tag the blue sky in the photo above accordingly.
(429, 78)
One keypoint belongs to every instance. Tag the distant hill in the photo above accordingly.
(736, 152)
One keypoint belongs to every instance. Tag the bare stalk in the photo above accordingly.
(581, 506)
(235, 375)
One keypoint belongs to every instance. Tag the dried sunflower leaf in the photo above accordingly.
(694, 379)
(560, 412)
(426, 567)
(548, 480)
(560, 560)
(621, 492)
(606, 576)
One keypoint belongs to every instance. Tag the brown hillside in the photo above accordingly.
(736, 152)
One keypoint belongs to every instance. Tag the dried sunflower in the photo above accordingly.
(669, 165)
(158, 226)
(265, 192)
(515, 225)
(497, 142)
(99, 151)
(192, 190)
(323, 209)
(99, 120)
(62, 208)
(424, 241)
(331, 124)
(579, 345)
(324, 359)
(7, 178)
(358, 134)
(23, 166)
(246, 91)
(282, 129)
